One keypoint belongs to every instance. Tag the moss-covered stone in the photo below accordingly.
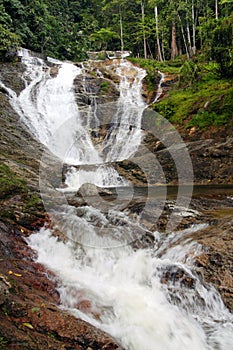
(10, 184)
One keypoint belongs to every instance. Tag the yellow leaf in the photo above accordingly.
(10, 272)
(18, 274)
(26, 324)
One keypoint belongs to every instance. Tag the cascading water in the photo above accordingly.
(47, 106)
(127, 299)
(125, 292)
(124, 142)
(160, 89)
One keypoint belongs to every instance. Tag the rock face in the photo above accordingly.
(212, 160)
(29, 313)
(20, 157)
(94, 86)
(216, 261)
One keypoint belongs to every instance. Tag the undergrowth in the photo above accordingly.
(200, 99)
(153, 67)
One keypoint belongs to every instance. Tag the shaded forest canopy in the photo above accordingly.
(157, 29)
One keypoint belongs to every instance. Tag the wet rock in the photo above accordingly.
(89, 189)
(216, 260)
(146, 240)
(4, 289)
(92, 88)
(11, 75)
(211, 161)
(175, 274)
(29, 314)
(101, 55)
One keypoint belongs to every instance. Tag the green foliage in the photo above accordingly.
(189, 73)
(222, 47)
(3, 343)
(104, 86)
(204, 119)
(167, 109)
(8, 40)
(68, 29)
(103, 37)
(208, 101)
(152, 66)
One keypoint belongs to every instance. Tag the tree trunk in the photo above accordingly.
(184, 39)
(143, 29)
(163, 51)
(157, 35)
(189, 40)
(194, 28)
(174, 49)
(216, 9)
(121, 30)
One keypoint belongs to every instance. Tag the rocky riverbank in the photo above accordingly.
(30, 317)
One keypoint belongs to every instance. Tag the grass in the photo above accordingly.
(206, 102)
(199, 99)
(105, 86)
(170, 67)
(152, 67)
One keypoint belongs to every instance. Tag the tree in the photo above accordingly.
(143, 27)
(8, 41)
(117, 5)
(216, 9)
(222, 47)
(103, 37)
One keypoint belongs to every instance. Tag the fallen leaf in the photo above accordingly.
(18, 274)
(35, 309)
(10, 272)
(28, 325)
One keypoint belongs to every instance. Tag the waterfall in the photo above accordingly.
(127, 292)
(48, 108)
(160, 89)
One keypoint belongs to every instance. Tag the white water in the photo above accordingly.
(48, 108)
(160, 89)
(130, 294)
(127, 298)
(124, 141)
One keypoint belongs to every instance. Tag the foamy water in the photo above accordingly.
(148, 299)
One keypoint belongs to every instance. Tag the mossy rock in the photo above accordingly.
(10, 184)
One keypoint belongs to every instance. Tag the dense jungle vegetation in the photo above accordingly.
(191, 38)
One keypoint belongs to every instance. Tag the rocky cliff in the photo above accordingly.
(30, 317)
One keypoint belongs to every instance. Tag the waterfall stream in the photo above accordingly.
(125, 292)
